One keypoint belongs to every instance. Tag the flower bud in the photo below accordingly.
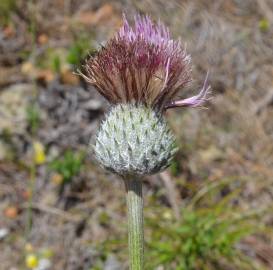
(134, 140)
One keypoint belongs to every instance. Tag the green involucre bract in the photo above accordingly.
(134, 140)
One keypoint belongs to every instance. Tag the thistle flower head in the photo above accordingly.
(139, 71)
(141, 63)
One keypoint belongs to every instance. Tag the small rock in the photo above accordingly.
(93, 105)
(112, 263)
(14, 101)
(211, 154)
(3, 233)
(44, 264)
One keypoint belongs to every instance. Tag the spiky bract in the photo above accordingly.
(134, 140)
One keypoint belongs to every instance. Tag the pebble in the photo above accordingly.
(3, 233)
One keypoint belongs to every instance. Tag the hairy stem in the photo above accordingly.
(135, 222)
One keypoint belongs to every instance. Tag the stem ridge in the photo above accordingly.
(135, 223)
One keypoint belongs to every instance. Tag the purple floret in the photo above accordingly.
(142, 64)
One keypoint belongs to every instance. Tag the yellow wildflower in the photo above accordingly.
(39, 153)
(264, 25)
(32, 261)
(167, 215)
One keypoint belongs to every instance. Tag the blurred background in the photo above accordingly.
(212, 209)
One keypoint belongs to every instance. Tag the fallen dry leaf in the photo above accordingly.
(42, 39)
(45, 75)
(67, 77)
(26, 194)
(57, 179)
(27, 68)
(11, 212)
(9, 31)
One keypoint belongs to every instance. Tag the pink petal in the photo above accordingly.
(194, 101)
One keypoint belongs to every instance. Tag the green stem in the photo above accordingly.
(135, 223)
(31, 187)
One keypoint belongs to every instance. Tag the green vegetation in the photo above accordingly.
(6, 8)
(205, 237)
(33, 118)
(57, 59)
(56, 64)
(175, 168)
(78, 51)
(69, 165)
(199, 241)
